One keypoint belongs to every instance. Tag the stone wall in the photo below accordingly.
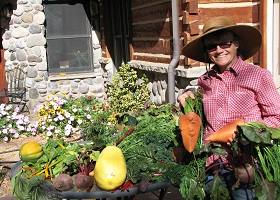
(24, 44)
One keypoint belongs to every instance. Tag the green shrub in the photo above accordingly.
(127, 91)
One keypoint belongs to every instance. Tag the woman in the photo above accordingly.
(232, 88)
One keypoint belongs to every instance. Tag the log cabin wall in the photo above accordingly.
(152, 30)
(151, 47)
(152, 26)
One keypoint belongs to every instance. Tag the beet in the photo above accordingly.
(83, 182)
(143, 185)
(63, 182)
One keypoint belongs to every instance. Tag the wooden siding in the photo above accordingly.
(151, 30)
(152, 25)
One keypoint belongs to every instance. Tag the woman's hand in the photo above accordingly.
(182, 98)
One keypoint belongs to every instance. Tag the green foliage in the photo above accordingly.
(127, 91)
(151, 142)
(219, 190)
(34, 188)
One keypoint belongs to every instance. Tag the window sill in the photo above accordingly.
(66, 76)
(180, 71)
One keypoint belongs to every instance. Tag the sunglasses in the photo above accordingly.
(213, 47)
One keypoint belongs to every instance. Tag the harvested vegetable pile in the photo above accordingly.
(149, 135)
(152, 136)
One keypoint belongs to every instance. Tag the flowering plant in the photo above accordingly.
(53, 119)
(62, 117)
(13, 123)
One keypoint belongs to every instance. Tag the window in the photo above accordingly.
(68, 34)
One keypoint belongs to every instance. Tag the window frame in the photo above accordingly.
(88, 34)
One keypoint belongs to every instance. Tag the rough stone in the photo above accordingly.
(20, 43)
(13, 56)
(36, 40)
(42, 66)
(31, 72)
(7, 35)
(19, 32)
(21, 55)
(39, 18)
(22, 2)
(33, 93)
(17, 20)
(163, 84)
(27, 8)
(154, 88)
(83, 88)
(27, 17)
(5, 44)
(29, 82)
(34, 58)
(38, 6)
(19, 11)
(53, 85)
(35, 28)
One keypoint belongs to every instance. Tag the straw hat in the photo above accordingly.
(249, 38)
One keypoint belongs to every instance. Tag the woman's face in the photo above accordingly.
(221, 48)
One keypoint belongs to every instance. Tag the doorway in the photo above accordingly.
(117, 25)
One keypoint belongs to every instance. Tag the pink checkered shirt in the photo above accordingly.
(244, 91)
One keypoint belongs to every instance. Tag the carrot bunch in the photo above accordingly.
(190, 123)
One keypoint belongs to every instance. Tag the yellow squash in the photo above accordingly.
(30, 151)
(110, 168)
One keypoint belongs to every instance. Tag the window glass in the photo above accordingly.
(68, 33)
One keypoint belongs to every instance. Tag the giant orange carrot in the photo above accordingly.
(190, 125)
(227, 133)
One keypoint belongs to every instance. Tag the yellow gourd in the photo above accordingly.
(110, 168)
(30, 151)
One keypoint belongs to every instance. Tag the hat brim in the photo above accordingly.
(250, 40)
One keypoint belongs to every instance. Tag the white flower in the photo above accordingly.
(5, 131)
(49, 133)
(60, 117)
(16, 135)
(74, 110)
(3, 112)
(88, 116)
(19, 122)
(26, 119)
(57, 131)
(68, 127)
(67, 115)
(5, 139)
(17, 109)
(2, 106)
(55, 119)
(80, 121)
(9, 107)
(67, 132)
(72, 118)
(21, 128)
